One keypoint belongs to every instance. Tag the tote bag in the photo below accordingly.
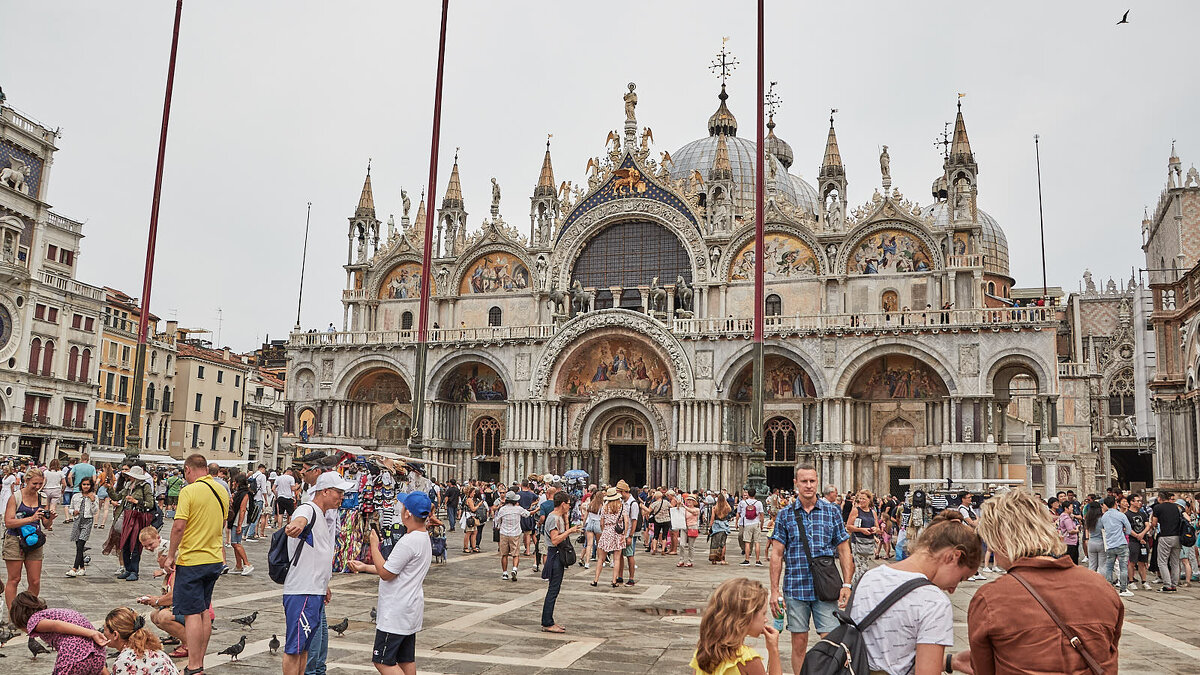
(678, 518)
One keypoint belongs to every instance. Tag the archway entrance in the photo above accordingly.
(485, 444)
(625, 440)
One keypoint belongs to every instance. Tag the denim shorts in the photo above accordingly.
(235, 537)
(800, 611)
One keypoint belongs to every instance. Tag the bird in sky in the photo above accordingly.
(234, 649)
(1124, 18)
(273, 645)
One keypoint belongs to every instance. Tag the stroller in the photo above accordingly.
(437, 540)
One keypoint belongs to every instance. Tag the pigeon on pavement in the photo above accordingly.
(36, 648)
(234, 649)
(274, 643)
(341, 626)
(246, 621)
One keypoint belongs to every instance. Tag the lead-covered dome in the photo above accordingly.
(993, 244)
(700, 154)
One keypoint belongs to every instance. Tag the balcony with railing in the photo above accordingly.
(1075, 370)
(69, 285)
(64, 223)
(151, 404)
(354, 294)
(972, 260)
(27, 125)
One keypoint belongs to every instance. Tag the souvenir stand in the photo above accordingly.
(376, 478)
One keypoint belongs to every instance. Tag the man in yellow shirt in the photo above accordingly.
(196, 555)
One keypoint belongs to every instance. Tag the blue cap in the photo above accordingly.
(416, 503)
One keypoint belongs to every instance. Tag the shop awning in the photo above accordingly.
(359, 451)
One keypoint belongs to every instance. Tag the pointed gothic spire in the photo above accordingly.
(366, 200)
(721, 168)
(419, 222)
(832, 164)
(960, 146)
(454, 197)
(545, 185)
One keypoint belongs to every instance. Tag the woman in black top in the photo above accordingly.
(237, 518)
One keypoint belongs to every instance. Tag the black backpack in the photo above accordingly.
(278, 560)
(918, 499)
(843, 651)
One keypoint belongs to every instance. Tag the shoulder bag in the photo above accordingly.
(827, 579)
(1071, 635)
(566, 550)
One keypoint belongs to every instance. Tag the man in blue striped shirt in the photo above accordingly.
(826, 534)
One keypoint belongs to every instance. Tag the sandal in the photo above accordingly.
(168, 641)
(189, 671)
(180, 653)
(592, 583)
(553, 629)
(630, 582)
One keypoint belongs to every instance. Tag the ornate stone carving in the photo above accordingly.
(657, 421)
(968, 359)
(828, 352)
(521, 367)
(326, 371)
(704, 364)
(573, 330)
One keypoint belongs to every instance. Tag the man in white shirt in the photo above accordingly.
(750, 520)
(508, 521)
(401, 594)
(285, 497)
(306, 589)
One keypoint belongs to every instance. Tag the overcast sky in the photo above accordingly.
(278, 103)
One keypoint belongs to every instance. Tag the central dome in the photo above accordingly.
(993, 244)
(699, 155)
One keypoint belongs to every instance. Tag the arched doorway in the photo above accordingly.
(394, 428)
(372, 396)
(792, 412)
(625, 441)
(779, 442)
(485, 446)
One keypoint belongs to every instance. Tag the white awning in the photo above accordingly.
(358, 451)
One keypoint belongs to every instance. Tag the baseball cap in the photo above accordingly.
(331, 480)
(416, 503)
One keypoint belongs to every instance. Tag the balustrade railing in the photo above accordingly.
(1074, 369)
(68, 285)
(972, 260)
(62, 222)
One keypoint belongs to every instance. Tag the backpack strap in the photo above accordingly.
(220, 502)
(304, 533)
(891, 599)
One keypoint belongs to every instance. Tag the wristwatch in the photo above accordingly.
(847, 586)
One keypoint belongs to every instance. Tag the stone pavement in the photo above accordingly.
(477, 623)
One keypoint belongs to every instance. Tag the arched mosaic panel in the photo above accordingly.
(615, 362)
(784, 256)
(783, 379)
(888, 252)
(496, 272)
(404, 281)
(896, 377)
(473, 382)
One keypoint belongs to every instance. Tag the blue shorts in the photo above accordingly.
(194, 587)
(301, 616)
(235, 537)
(821, 613)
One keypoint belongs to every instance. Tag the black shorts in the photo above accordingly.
(1135, 552)
(662, 531)
(194, 587)
(391, 649)
(285, 506)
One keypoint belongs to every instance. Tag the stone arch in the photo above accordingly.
(1016, 361)
(448, 364)
(477, 253)
(394, 428)
(899, 432)
(615, 403)
(577, 235)
(897, 346)
(734, 365)
(378, 276)
(572, 332)
(303, 382)
(350, 374)
(307, 421)
(745, 237)
(862, 232)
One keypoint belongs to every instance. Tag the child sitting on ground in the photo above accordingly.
(737, 610)
(155, 545)
(80, 647)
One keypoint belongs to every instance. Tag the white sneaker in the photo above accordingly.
(1126, 594)
(504, 576)
(247, 570)
(997, 570)
(70, 573)
(1132, 586)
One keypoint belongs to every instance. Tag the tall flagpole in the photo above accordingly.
(303, 260)
(1041, 219)
(133, 440)
(756, 478)
(416, 443)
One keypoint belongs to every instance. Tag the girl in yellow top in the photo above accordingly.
(737, 610)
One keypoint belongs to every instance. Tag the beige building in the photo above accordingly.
(49, 321)
(262, 425)
(209, 400)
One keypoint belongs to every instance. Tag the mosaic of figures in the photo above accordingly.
(783, 379)
(473, 382)
(888, 252)
(308, 424)
(380, 386)
(496, 273)
(614, 363)
(784, 256)
(404, 281)
(898, 376)
(961, 243)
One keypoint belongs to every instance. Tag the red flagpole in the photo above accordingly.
(134, 437)
(756, 474)
(427, 247)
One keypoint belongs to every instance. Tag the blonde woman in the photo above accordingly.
(612, 518)
(1008, 627)
(863, 525)
(23, 508)
(737, 610)
(591, 516)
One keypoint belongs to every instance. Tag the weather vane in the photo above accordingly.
(944, 142)
(773, 100)
(725, 63)
(832, 112)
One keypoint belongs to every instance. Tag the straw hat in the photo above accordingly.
(622, 485)
(611, 494)
(691, 497)
(138, 473)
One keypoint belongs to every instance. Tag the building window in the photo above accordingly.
(237, 380)
(199, 399)
(629, 255)
(154, 361)
(52, 253)
(39, 312)
(774, 305)
(216, 431)
(118, 430)
(233, 441)
(200, 372)
(89, 324)
(85, 366)
(494, 316)
(220, 376)
(486, 439)
(47, 357)
(166, 402)
(35, 355)
(235, 408)
(1121, 400)
(123, 395)
(72, 362)
(406, 321)
(195, 435)
(110, 386)
(77, 321)
(66, 257)
(217, 408)
(52, 314)
(779, 439)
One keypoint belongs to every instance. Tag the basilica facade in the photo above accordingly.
(615, 336)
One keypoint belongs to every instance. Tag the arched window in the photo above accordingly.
(85, 366)
(494, 316)
(1121, 401)
(150, 402)
(991, 288)
(406, 321)
(486, 439)
(47, 357)
(166, 402)
(774, 305)
(779, 439)
(35, 355)
(629, 255)
(153, 361)
(72, 363)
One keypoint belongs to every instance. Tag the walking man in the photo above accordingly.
(306, 589)
(750, 519)
(1168, 516)
(1139, 548)
(633, 510)
(1116, 545)
(508, 521)
(824, 535)
(196, 555)
(451, 496)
